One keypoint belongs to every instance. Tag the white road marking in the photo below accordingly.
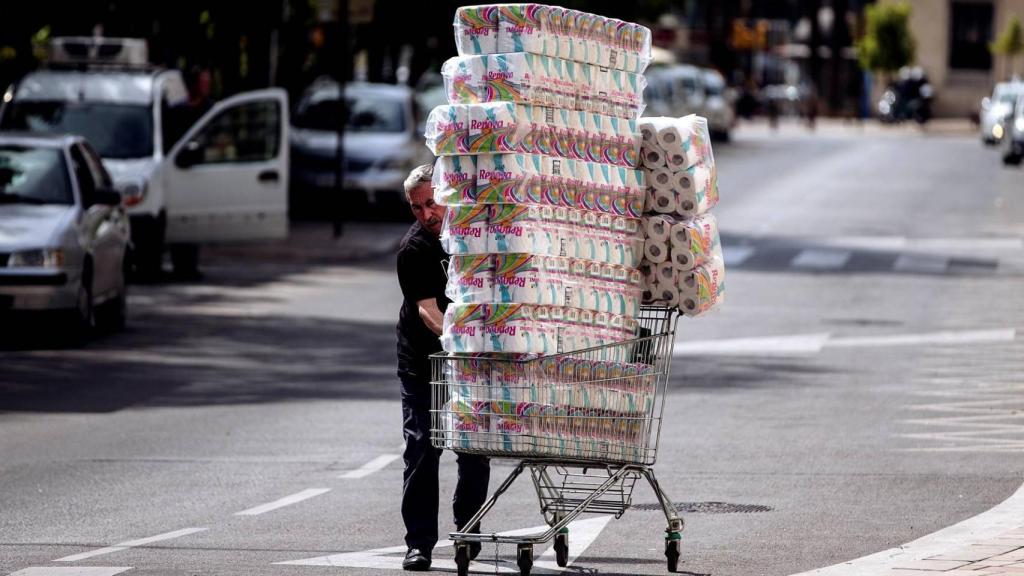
(582, 534)
(130, 544)
(736, 255)
(928, 339)
(804, 344)
(817, 259)
(798, 344)
(70, 571)
(965, 245)
(281, 503)
(983, 417)
(372, 466)
(915, 264)
(1006, 516)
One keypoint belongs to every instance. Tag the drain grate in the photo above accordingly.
(708, 508)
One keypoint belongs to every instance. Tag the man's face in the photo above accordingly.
(429, 214)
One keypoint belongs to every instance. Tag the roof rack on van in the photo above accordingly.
(98, 52)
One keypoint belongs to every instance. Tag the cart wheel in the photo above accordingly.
(562, 549)
(673, 544)
(462, 558)
(524, 557)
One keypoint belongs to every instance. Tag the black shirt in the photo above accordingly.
(421, 273)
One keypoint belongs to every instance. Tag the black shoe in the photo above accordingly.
(416, 560)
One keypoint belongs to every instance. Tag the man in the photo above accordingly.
(421, 274)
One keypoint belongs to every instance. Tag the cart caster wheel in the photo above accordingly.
(562, 549)
(524, 558)
(673, 544)
(462, 559)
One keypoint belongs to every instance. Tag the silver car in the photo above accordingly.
(1013, 133)
(63, 232)
(996, 108)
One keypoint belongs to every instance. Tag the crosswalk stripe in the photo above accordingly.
(370, 467)
(130, 544)
(818, 259)
(71, 571)
(920, 264)
(282, 502)
(737, 255)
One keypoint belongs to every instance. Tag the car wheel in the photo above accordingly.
(185, 261)
(115, 314)
(84, 320)
(1011, 159)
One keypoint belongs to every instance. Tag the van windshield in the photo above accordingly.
(363, 114)
(113, 130)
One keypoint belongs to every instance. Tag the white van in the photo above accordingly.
(221, 178)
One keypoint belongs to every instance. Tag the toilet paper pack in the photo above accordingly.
(520, 28)
(464, 230)
(464, 79)
(503, 177)
(497, 127)
(703, 288)
(454, 180)
(471, 279)
(476, 29)
(514, 328)
(463, 329)
(446, 130)
(521, 228)
(525, 278)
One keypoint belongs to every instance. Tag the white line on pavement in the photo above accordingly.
(372, 466)
(736, 255)
(775, 345)
(931, 338)
(281, 503)
(916, 264)
(71, 571)
(1006, 516)
(130, 544)
(816, 259)
(581, 535)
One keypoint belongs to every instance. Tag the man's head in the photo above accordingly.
(419, 191)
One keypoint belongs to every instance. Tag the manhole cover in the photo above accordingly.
(708, 508)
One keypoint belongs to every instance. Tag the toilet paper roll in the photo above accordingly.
(502, 177)
(524, 278)
(648, 131)
(670, 135)
(662, 179)
(496, 127)
(510, 77)
(651, 157)
(697, 190)
(695, 241)
(678, 159)
(476, 30)
(667, 295)
(446, 130)
(664, 202)
(666, 274)
(454, 180)
(514, 228)
(703, 288)
(520, 28)
(656, 252)
(464, 230)
(658, 228)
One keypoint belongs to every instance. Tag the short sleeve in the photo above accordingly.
(415, 274)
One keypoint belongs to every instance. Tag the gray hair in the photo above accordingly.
(422, 174)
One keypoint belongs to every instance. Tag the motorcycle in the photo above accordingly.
(908, 98)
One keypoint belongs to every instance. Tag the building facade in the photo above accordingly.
(953, 39)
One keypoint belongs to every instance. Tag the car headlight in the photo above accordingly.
(133, 193)
(46, 258)
(997, 131)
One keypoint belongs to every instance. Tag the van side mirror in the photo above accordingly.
(104, 197)
(190, 155)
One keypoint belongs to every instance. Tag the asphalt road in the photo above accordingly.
(860, 388)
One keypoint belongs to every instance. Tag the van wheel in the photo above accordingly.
(84, 314)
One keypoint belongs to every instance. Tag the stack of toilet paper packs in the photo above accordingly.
(538, 155)
(682, 263)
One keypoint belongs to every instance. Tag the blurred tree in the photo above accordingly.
(887, 44)
(1009, 44)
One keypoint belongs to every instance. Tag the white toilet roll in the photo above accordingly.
(664, 202)
(661, 179)
(658, 228)
(697, 190)
(656, 252)
(702, 288)
(652, 158)
(667, 274)
(694, 241)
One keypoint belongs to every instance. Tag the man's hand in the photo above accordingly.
(431, 314)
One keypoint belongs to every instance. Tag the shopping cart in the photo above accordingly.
(586, 424)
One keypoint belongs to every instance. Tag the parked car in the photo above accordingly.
(715, 107)
(63, 233)
(1013, 133)
(995, 109)
(381, 141)
(221, 178)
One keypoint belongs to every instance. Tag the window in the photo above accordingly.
(248, 132)
(33, 176)
(115, 130)
(971, 31)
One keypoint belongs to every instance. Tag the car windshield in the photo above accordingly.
(33, 176)
(363, 114)
(113, 130)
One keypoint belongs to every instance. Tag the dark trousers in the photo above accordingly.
(420, 488)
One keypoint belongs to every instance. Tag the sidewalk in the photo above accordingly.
(989, 544)
(314, 243)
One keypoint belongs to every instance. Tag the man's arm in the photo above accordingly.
(431, 314)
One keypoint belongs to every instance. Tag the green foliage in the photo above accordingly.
(1011, 41)
(887, 44)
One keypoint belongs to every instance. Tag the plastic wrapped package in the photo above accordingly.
(454, 180)
(464, 230)
(476, 29)
(471, 279)
(464, 328)
(517, 228)
(447, 130)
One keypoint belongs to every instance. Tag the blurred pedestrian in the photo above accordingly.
(421, 274)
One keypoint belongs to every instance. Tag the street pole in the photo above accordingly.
(342, 67)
